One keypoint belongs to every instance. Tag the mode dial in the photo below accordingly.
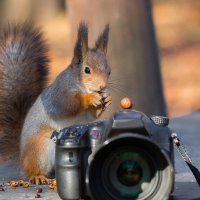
(160, 120)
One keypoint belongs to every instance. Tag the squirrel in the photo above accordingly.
(30, 110)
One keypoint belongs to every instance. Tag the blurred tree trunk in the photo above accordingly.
(132, 49)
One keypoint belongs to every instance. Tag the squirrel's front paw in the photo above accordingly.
(95, 99)
(106, 100)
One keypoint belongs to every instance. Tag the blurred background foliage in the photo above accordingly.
(177, 28)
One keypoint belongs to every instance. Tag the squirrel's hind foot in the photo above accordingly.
(39, 180)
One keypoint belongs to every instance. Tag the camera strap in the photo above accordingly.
(185, 156)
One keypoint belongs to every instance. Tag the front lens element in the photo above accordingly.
(129, 173)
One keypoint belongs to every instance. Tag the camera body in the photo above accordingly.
(127, 156)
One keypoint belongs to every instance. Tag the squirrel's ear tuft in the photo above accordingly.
(81, 47)
(102, 41)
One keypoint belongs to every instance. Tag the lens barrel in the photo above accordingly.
(130, 166)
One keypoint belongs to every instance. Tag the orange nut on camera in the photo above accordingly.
(126, 103)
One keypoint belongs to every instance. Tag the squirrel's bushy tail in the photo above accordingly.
(23, 75)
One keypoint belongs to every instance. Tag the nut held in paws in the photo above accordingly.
(126, 103)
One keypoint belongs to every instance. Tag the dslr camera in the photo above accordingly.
(127, 156)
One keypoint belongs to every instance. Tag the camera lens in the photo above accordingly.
(129, 173)
(129, 167)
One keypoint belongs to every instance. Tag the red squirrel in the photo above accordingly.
(30, 111)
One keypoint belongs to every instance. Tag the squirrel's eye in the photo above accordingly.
(87, 70)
